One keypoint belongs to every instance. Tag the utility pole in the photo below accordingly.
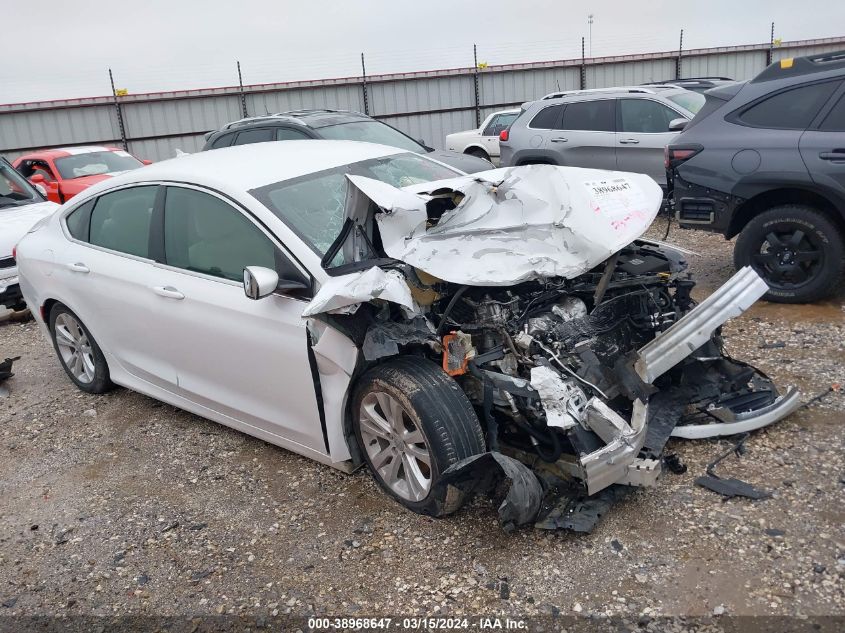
(770, 52)
(475, 80)
(241, 89)
(117, 108)
(590, 22)
(364, 85)
(680, 54)
(583, 73)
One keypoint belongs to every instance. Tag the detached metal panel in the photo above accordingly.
(629, 73)
(739, 65)
(61, 126)
(344, 97)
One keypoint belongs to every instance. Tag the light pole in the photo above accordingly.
(590, 22)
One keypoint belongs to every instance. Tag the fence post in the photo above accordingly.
(241, 90)
(583, 85)
(475, 81)
(119, 114)
(364, 86)
(770, 52)
(680, 53)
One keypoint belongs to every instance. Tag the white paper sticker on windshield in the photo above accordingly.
(619, 200)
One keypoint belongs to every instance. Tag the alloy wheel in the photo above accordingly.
(74, 348)
(396, 447)
(788, 258)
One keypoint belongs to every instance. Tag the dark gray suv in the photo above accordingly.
(337, 125)
(765, 160)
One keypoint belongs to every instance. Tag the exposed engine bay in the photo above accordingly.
(578, 379)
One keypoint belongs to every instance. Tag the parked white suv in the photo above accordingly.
(21, 206)
(484, 141)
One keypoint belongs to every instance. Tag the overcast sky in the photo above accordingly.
(57, 49)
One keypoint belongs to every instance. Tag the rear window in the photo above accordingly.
(596, 116)
(547, 118)
(835, 119)
(260, 135)
(689, 101)
(789, 110)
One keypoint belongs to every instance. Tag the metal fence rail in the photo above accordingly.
(426, 105)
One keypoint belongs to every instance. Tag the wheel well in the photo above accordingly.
(778, 197)
(474, 150)
(46, 308)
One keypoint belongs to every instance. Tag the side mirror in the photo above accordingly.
(259, 282)
(147, 162)
(36, 179)
(676, 125)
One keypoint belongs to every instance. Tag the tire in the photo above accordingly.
(478, 153)
(78, 352)
(797, 250)
(434, 410)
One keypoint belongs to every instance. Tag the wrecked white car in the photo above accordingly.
(505, 332)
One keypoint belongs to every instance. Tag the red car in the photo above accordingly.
(66, 171)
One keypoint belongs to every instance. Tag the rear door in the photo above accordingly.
(643, 126)
(543, 133)
(586, 135)
(823, 145)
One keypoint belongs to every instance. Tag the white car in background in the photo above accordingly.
(483, 142)
(21, 206)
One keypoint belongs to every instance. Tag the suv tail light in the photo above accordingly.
(503, 135)
(674, 156)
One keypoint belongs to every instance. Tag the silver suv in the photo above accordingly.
(606, 128)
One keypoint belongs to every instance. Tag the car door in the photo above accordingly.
(490, 133)
(108, 276)
(543, 132)
(586, 136)
(244, 359)
(643, 133)
(823, 145)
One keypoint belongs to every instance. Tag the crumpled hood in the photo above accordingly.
(512, 224)
(507, 226)
(16, 221)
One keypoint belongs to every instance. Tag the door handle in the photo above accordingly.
(836, 154)
(559, 139)
(629, 141)
(78, 267)
(168, 291)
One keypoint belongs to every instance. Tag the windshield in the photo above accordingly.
(95, 163)
(689, 101)
(313, 205)
(14, 189)
(370, 132)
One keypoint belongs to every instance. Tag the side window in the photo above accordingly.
(223, 141)
(120, 221)
(835, 119)
(597, 116)
(547, 118)
(488, 131)
(259, 135)
(789, 110)
(204, 234)
(79, 220)
(645, 116)
(289, 134)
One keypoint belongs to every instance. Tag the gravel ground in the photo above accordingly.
(118, 504)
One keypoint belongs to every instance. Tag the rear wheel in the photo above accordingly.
(78, 352)
(412, 422)
(796, 249)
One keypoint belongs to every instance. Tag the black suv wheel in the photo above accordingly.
(796, 249)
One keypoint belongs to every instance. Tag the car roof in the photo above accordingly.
(308, 118)
(795, 67)
(614, 92)
(246, 167)
(62, 152)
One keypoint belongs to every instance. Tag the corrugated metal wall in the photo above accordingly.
(427, 105)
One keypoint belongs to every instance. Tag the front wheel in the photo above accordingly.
(412, 422)
(796, 249)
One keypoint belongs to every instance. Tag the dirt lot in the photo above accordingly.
(118, 504)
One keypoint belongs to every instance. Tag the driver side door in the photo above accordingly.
(245, 360)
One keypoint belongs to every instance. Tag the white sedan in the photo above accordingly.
(483, 142)
(358, 304)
